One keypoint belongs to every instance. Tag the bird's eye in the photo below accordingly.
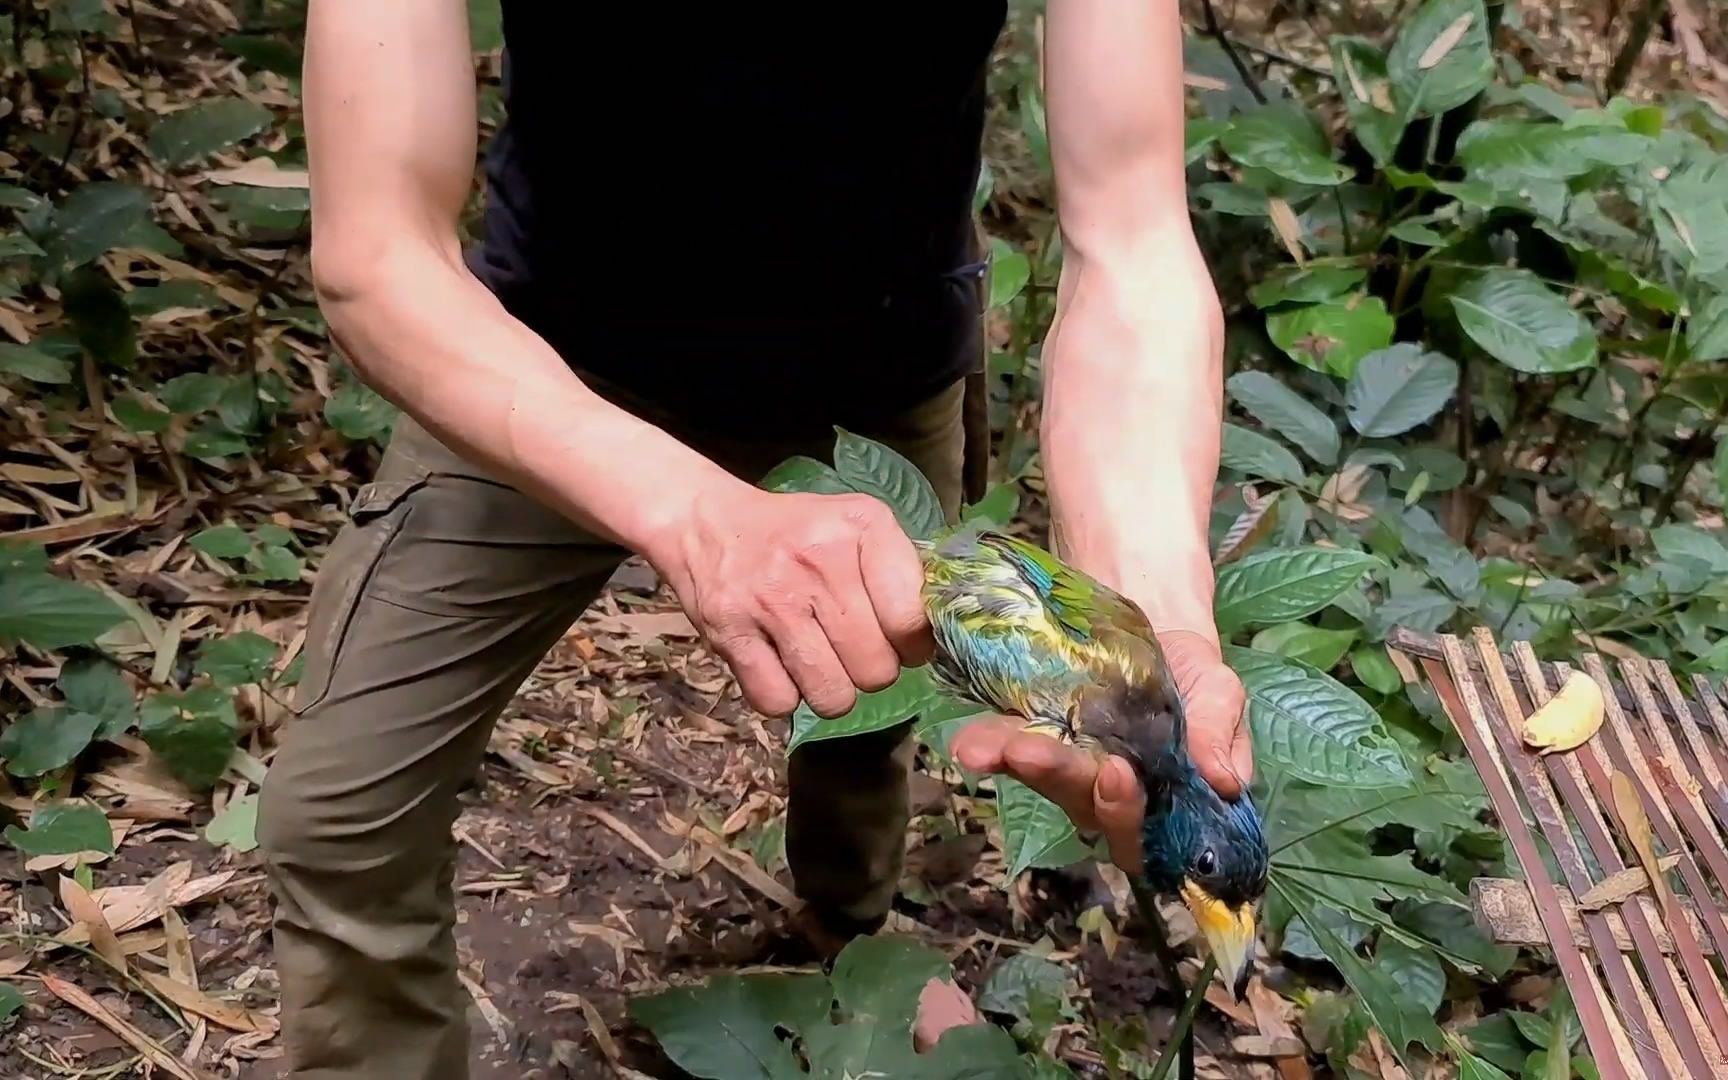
(1207, 862)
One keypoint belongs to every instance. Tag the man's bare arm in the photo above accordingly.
(1134, 393)
(804, 596)
(392, 135)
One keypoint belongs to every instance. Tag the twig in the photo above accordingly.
(637, 761)
(1223, 40)
(1160, 940)
(1694, 450)
(1643, 21)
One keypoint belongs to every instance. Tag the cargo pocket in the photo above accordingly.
(376, 518)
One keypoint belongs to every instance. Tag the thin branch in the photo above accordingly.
(1223, 40)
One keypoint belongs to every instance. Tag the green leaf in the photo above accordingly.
(63, 828)
(910, 694)
(357, 412)
(98, 313)
(1471, 1067)
(237, 659)
(135, 415)
(1396, 389)
(801, 473)
(1306, 285)
(266, 52)
(1689, 543)
(1414, 232)
(1524, 324)
(15, 244)
(236, 825)
(35, 365)
(273, 562)
(1424, 610)
(96, 218)
(151, 299)
(726, 1028)
(1416, 972)
(998, 505)
(1311, 726)
(223, 542)
(1453, 928)
(1399, 1019)
(194, 733)
(46, 739)
(193, 393)
(11, 1000)
(1707, 332)
(1509, 153)
(1250, 452)
(273, 209)
(1312, 645)
(202, 129)
(1284, 140)
(1375, 670)
(1289, 414)
(875, 469)
(1010, 270)
(1035, 831)
(1283, 584)
(52, 613)
(1198, 137)
(1332, 338)
(1016, 985)
(209, 441)
(1692, 225)
(1368, 96)
(93, 685)
(485, 25)
(1496, 1040)
(1432, 66)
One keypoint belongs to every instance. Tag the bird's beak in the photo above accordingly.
(1229, 932)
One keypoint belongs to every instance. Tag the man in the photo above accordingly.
(770, 219)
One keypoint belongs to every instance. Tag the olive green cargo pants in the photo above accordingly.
(432, 606)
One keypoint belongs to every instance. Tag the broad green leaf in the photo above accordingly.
(1289, 414)
(1524, 324)
(1375, 670)
(1450, 562)
(202, 129)
(1250, 452)
(11, 1000)
(210, 441)
(1417, 972)
(193, 393)
(1306, 285)
(1298, 942)
(63, 828)
(236, 826)
(1312, 645)
(1198, 137)
(1360, 66)
(273, 562)
(35, 365)
(1414, 232)
(1035, 831)
(1283, 584)
(910, 694)
(98, 313)
(276, 53)
(16, 244)
(150, 299)
(1014, 988)
(1454, 929)
(1706, 333)
(937, 726)
(137, 415)
(726, 1028)
(1010, 270)
(13, 197)
(93, 685)
(357, 412)
(96, 218)
(801, 473)
(1471, 1066)
(1497, 1041)
(237, 659)
(1284, 140)
(998, 505)
(1508, 153)
(1396, 389)
(1692, 222)
(875, 469)
(485, 25)
(1311, 726)
(52, 613)
(272, 209)
(1719, 465)
(194, 733)
(1333, 337)
(22, 558)
(223, 541)
(46, 739)
(1424, 610)
(1689, 543)
(1441, 57)
(1400, 1019)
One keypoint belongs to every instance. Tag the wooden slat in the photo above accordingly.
(1458, 695)
(1503, 908)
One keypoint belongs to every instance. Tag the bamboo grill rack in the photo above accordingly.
(1643, 965)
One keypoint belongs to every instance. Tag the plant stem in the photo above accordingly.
(1683, 468)
(1182, 1034)
(1160, 941)
(1223, 40)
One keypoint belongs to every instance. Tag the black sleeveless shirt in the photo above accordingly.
(742, 212)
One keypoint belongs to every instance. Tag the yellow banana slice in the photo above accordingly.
(1570, 717)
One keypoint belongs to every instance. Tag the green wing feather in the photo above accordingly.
(1084, 606)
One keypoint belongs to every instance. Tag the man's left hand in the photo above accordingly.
(1101, 794)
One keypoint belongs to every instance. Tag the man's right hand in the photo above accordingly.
(811, 597)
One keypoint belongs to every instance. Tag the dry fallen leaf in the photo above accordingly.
(1637, 831)
(1446, 42)
(85, 911)
(195, 1001)
(144, 1044)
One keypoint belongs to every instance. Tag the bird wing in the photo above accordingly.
(1083, 606)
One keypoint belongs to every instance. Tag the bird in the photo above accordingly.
(1020, 632)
